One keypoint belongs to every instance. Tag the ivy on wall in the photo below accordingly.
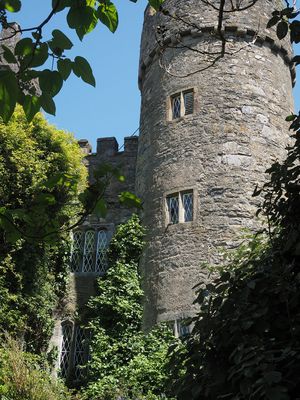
(125, 362)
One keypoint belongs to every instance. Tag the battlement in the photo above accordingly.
(124, 158)
(109, 147)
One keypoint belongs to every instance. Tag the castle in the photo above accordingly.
(214, 99)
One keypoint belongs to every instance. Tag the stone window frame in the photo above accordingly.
(179, 192)
(182, 107)
(98, 270)
(181, 328)
(72, 361)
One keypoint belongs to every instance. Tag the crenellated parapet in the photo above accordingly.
(107, 152)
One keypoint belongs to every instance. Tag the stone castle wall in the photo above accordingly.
(220, 151)
(82, 285)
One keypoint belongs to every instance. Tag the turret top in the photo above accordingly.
(181, 18)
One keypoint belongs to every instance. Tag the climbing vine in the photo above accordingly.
(125, 362)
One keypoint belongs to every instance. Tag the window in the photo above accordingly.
(181, 328)
(89, 251)
(176, 106)
(180, 207)
(65, 354)
(74, 351)
(173, 209)
(182, 104)
(187, 205)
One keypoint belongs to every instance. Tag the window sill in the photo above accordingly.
(183, 118)
(180, 225)
(87, 274)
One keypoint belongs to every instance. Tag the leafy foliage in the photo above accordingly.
(24, 81)
(24, 377)
(41, 175)
(124, 360)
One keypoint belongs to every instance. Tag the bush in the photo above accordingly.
(22, 377)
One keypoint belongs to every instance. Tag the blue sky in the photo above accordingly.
(112, 109)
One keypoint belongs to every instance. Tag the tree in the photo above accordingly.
(41, 174)
(23, 81)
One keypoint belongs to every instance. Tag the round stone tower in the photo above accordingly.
(214, 100)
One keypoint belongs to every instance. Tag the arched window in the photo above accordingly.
(101, 258)
(80, 352)
(66, 348)
(77, 250)
(89, 251)
(74, 351)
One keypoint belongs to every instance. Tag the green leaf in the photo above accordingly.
(82, 69)
(55, 180)
(11, 5)
(108, 15)
(291, 117)
(50, 82)
(82, 18)
(61, 40)
(8, 55)
(8, 94)
(45, 199)
(73, 17)
(11, 233)
(130, 200)
(31, 106)
(47, 103)
(60, 5)
(24, 47)
(282, 29)
(64, 66)
(101, 208)
(273, 21)
(39, 57)
(89, 22)
(156, 4)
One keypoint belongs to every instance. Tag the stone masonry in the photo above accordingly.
(82, 284)
(219, 152)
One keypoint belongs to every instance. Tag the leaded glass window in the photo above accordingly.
(180, 207)
(188, 99)
(173, 209)
(182, 328)
(77, 251)
(182, 104)
(80, 352)
(187, 203)
(101, 257)
(66, 346)
(74, 351)
(176, 106)
(89, 252)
